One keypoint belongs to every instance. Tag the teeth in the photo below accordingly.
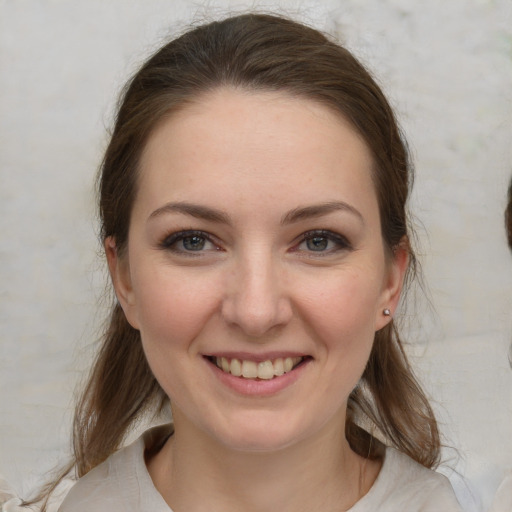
(264, 370)
(279, 367)
(235, 368)
(249, 369)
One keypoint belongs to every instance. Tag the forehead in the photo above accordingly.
(255, 143)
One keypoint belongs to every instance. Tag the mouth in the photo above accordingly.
(257, 370)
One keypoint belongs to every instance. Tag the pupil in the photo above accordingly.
(317, 243)
(193, 243)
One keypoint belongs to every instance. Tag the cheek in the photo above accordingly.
(173, 309)
(342, 309)
(172, 312)
(340, 314)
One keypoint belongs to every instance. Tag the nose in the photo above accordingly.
(256, 300)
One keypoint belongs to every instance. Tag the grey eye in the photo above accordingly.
(194, 243)
(322, 242)
(189, 242)
(317, 243)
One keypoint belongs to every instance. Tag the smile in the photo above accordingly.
(264, 370)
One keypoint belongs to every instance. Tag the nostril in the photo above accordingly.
(257, 301)
(256, 319)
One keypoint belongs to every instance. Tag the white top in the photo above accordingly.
(122, 484)
(502, 501)
(10, 502)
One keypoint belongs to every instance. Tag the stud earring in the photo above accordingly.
(386, 312)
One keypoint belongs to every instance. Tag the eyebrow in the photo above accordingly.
(194, 210)
(319, 210)
(218, 216)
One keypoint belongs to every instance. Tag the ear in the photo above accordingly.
(119, 268)
(394, 281)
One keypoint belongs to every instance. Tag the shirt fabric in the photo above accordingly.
(502, 501)
(122, 484)
(10, 502)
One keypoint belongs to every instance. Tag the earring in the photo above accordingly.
(386, 312)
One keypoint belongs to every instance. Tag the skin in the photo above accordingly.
(257, 171)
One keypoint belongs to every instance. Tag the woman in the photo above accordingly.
(503, 497)
(253, 214)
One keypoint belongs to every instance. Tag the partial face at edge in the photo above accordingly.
(255, 236)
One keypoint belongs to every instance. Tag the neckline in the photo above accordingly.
(152, 440)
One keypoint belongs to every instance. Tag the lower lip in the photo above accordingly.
(253, 387)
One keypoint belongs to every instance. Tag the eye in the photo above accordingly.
(323, 242)
(189, 242)
(317, 243)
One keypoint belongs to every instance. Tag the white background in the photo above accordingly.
(447, 68)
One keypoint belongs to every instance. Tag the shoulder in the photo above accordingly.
(8, 497)
(120, 483)
(403, 484)
(99, 490)
(503, 498)
(11, 502)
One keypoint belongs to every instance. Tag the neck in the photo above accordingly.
(195, 474)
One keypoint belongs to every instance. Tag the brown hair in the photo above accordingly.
(253, 52)
(508, 216)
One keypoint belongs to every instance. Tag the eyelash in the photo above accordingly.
(169, 243)
(341, 243)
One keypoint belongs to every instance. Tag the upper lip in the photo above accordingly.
(257, 358)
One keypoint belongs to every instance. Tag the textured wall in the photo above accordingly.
(447, 67)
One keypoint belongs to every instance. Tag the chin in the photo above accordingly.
(260, 444)
(261, 436)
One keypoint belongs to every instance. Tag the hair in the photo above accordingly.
(508, 216)
(253, 52)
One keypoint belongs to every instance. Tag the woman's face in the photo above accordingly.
(255, 248)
